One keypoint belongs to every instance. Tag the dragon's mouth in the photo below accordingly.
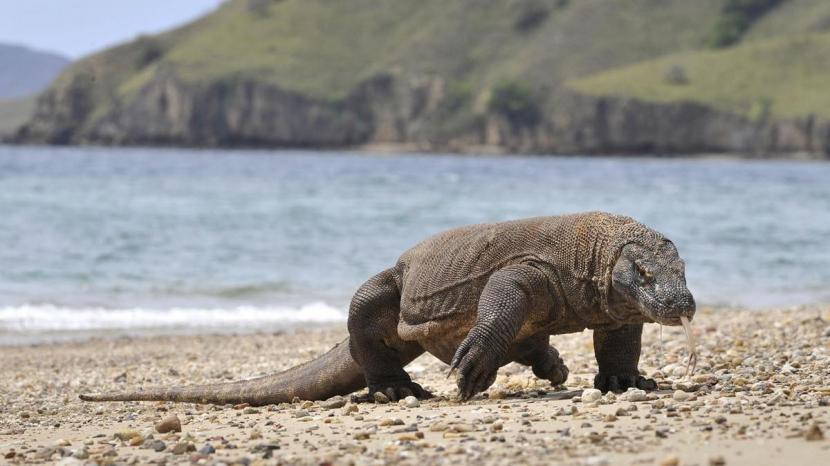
(660, 312)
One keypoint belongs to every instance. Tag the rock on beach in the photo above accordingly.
(169, 424)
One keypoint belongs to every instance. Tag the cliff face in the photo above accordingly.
(624, 125)
(389, 109)
(237, 112)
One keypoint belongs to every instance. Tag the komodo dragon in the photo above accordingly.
(479, 297)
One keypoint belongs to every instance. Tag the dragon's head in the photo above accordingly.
(651, 279)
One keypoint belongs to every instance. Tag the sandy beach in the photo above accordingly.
(760, 395)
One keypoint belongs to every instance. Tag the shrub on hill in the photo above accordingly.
(516, 102)
(736, 18)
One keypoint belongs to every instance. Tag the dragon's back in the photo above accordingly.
(444, 274)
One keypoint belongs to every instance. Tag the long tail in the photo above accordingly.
(334, 373)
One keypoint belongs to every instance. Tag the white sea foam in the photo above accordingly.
(28, 324)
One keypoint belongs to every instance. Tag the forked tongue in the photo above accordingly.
(691, 345)
(662, 348)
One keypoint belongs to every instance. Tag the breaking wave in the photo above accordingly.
(42, 323)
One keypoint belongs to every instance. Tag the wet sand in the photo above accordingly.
(760, 396)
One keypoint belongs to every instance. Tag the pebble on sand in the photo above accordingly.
(183, 447)
(207, 449)
(670, 461)
(349, 409)
(717, 461)
(814, 433)
(334, 402)
(680, 395)
(390, 421)
(589, 395)
(496, 394)
(634, 394)
(362, 435)
(157, 445)
(127, 435)
(169, 424)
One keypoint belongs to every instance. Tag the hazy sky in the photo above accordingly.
(78, 27)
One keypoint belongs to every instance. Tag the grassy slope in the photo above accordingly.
(790, 75)
(324, 48)
(13, 113)
(793, 17)
(782, 64)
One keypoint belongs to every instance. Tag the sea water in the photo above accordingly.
(97, 241)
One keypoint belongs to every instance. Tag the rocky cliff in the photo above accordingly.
(593, 124)
(388, 109)
(237, 112)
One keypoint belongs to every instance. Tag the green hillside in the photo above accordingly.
(783, 77)
(792, 17)
(323, 48)
(779, 67)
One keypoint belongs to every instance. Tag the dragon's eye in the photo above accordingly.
(643, 273)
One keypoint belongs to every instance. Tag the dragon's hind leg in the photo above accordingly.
(537, 353)
(374, 340)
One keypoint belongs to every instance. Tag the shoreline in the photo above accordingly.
(12, 339)
(760, 391)
(410, 149)
(59, 338)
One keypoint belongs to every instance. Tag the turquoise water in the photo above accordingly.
(110, 240)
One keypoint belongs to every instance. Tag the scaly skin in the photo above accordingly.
(481, 296)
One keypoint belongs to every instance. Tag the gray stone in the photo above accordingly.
(589, 395)
(334, 402)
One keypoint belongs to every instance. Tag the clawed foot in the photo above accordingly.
(476, 369)
(552, 368)
(395, 391)
(621, 383)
